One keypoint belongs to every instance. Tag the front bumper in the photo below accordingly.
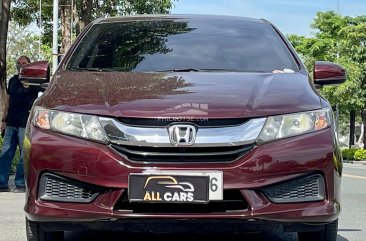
(99, 165)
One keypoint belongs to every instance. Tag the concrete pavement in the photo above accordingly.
(12, 227)
(352, 222)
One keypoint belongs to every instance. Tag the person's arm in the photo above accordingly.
(10, 87)
(37, 89)
(40, 89)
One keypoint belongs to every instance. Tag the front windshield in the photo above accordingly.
(159, 45)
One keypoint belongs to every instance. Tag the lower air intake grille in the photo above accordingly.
(304, 189)
(56, 188)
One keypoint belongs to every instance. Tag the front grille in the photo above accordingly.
(232, 201)
(304, 189)
(182, 154)
(56, 188)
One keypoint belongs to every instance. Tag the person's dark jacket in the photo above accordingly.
(20, 102)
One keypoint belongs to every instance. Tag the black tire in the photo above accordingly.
(328, 234)
(35, 233)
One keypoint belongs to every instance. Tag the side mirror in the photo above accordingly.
(36, 73)
(327, 73)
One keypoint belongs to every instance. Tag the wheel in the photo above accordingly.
(328, 234)
(35, 233)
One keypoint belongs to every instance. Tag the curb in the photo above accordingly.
(354, 162)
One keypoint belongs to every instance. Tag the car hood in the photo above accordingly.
(194, 94)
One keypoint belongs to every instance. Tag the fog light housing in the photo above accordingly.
(304, 189)
(56, 188)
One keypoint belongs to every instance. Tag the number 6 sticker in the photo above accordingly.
(215, 185)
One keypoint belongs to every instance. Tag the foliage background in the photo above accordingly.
(22, 41)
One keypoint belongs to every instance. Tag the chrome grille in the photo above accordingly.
(55, 188)
(304, 189)
(152, 136)
(182, 154)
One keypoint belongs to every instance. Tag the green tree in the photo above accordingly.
(21, 41)
(340, 39)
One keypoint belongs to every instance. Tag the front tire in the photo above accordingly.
(328, 234)
(36, 233)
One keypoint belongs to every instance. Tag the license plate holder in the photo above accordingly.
(163, 188)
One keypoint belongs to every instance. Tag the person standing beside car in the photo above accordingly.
(21, 99)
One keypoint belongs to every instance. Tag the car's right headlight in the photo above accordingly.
(74, 124)
(283, 126)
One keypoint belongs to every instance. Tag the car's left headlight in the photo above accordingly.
(282, 126)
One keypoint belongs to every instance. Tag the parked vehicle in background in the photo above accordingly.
(182, 123)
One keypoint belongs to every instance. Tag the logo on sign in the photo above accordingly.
(180, 191)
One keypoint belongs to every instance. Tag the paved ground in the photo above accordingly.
(12, 217)
(352, 226)
(352, 223)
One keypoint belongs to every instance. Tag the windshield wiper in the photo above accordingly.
(220, 70)
(93, 69)
(179, 70)
(197, 70)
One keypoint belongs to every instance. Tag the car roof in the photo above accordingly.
(152, 17)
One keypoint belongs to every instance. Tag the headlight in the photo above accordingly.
(79, 125)
(282, 126)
